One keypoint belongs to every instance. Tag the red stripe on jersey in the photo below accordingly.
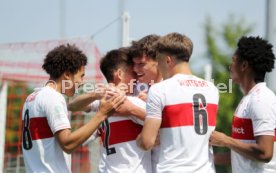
(122, 131)
(39, 128)
(242, 128)
(183, 115)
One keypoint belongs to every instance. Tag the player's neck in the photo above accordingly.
(158, 78)
(54, 84)
(182, 68)
(247, 85)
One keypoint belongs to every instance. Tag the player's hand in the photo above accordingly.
(143, 95)
(218, 139)
(102, 90)
(99, 93)
(109, 104)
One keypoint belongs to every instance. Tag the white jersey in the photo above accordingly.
(255, 116)
(44, 113)
(120, 154)
(143, 87)
(187, 106)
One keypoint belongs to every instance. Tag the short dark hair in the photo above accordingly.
(175, 44)
(258, 53)
(144, 46)
(64, 58)
(113, 60)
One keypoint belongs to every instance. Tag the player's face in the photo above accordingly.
(145, 68)
(235, 69)
(77, 81)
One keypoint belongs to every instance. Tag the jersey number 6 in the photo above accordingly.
(200, 114)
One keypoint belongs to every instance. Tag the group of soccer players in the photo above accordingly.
(163, 122)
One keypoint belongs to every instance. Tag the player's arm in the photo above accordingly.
(81, 102)
(262, 150)
(70, 140)
(128, 108)
(138, 112)
(147, 138)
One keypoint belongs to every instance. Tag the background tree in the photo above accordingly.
(221, 44)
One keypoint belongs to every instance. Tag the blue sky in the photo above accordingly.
(34, 20)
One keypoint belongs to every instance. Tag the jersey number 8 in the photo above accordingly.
(27, 140)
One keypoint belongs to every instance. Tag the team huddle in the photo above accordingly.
(163, 122)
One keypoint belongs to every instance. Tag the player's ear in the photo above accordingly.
(67, 75)
(118, 74)
(168, 59)
(245, 65)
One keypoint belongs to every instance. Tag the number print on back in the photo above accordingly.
(200, 114)
(27, 140)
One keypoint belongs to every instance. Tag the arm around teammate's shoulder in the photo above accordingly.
(81, 102)
(70, 140)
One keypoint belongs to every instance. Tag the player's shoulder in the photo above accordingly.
(48, 94)
(47, 90)
(262, 94)
(157, 87)
(204, 81)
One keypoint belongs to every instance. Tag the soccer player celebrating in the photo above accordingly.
(254, 122)
(47, 140)
(145, 65)
(119, 152)
(142, 56)
(183, 107)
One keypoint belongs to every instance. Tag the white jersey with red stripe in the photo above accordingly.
(255, 116)
(142, 87)
(187, 107)
(120, 154)
(44, 113)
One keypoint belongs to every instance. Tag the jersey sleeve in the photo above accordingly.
(155, 104)
(263, 117)
(95, 106)
(56, 112)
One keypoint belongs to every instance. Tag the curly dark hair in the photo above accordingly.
(176, 44)
(259, 55)
(113, 60)
(64, 58)
(144, 46)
